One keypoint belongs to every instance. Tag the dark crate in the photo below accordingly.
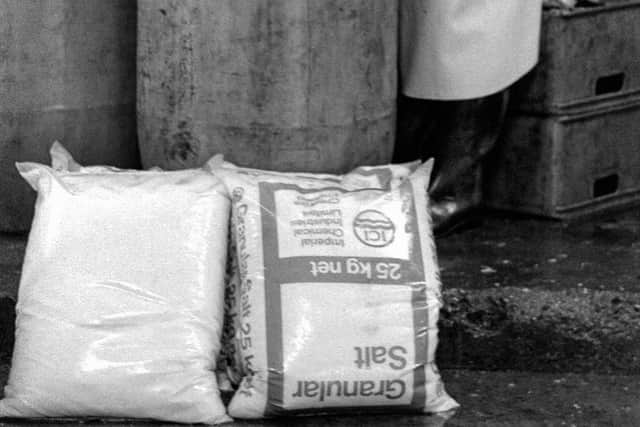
(587, 55)
(568, 166)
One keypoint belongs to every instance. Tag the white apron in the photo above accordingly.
(462, 49)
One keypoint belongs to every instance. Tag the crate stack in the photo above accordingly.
(571, 144)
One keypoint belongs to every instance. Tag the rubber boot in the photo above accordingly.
(415, 125)
(467, 131)
(458, 135)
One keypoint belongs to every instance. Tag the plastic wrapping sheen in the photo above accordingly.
(120, 303)
(63, 161)
(338, 297)
(383, 176)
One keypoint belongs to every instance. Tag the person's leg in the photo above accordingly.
(416, 122)
(458, 135)
(467, 132)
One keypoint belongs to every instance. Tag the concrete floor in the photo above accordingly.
(541, 323)
(524, 293)
(487, 398)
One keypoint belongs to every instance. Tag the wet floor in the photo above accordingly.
(534, 294)
(541, 324)
(502, 250)
(487, 399)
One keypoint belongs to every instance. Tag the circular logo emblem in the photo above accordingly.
(373, 228)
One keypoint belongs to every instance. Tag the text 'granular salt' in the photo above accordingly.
(338, 298)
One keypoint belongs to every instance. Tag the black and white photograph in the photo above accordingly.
(314, 213)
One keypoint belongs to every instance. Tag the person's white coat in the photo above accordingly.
(463, 49)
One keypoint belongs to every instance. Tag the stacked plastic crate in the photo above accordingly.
(571, 145)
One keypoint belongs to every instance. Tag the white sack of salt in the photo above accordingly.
(120, 303)
(339, 295)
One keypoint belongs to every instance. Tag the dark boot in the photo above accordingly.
(458, 135)
(466, 134)
(414, 129)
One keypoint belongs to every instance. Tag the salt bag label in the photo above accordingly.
(337, 310)
(330, 222)
(365, 363)
(322, 288)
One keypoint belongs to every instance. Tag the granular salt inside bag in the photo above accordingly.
(338, 298)
(63, 161)
(120, 303)
(384, 176)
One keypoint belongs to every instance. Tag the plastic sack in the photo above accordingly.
(338, 297)
(62, 160)
(380, 176)
(120, 303)
(230, 371)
